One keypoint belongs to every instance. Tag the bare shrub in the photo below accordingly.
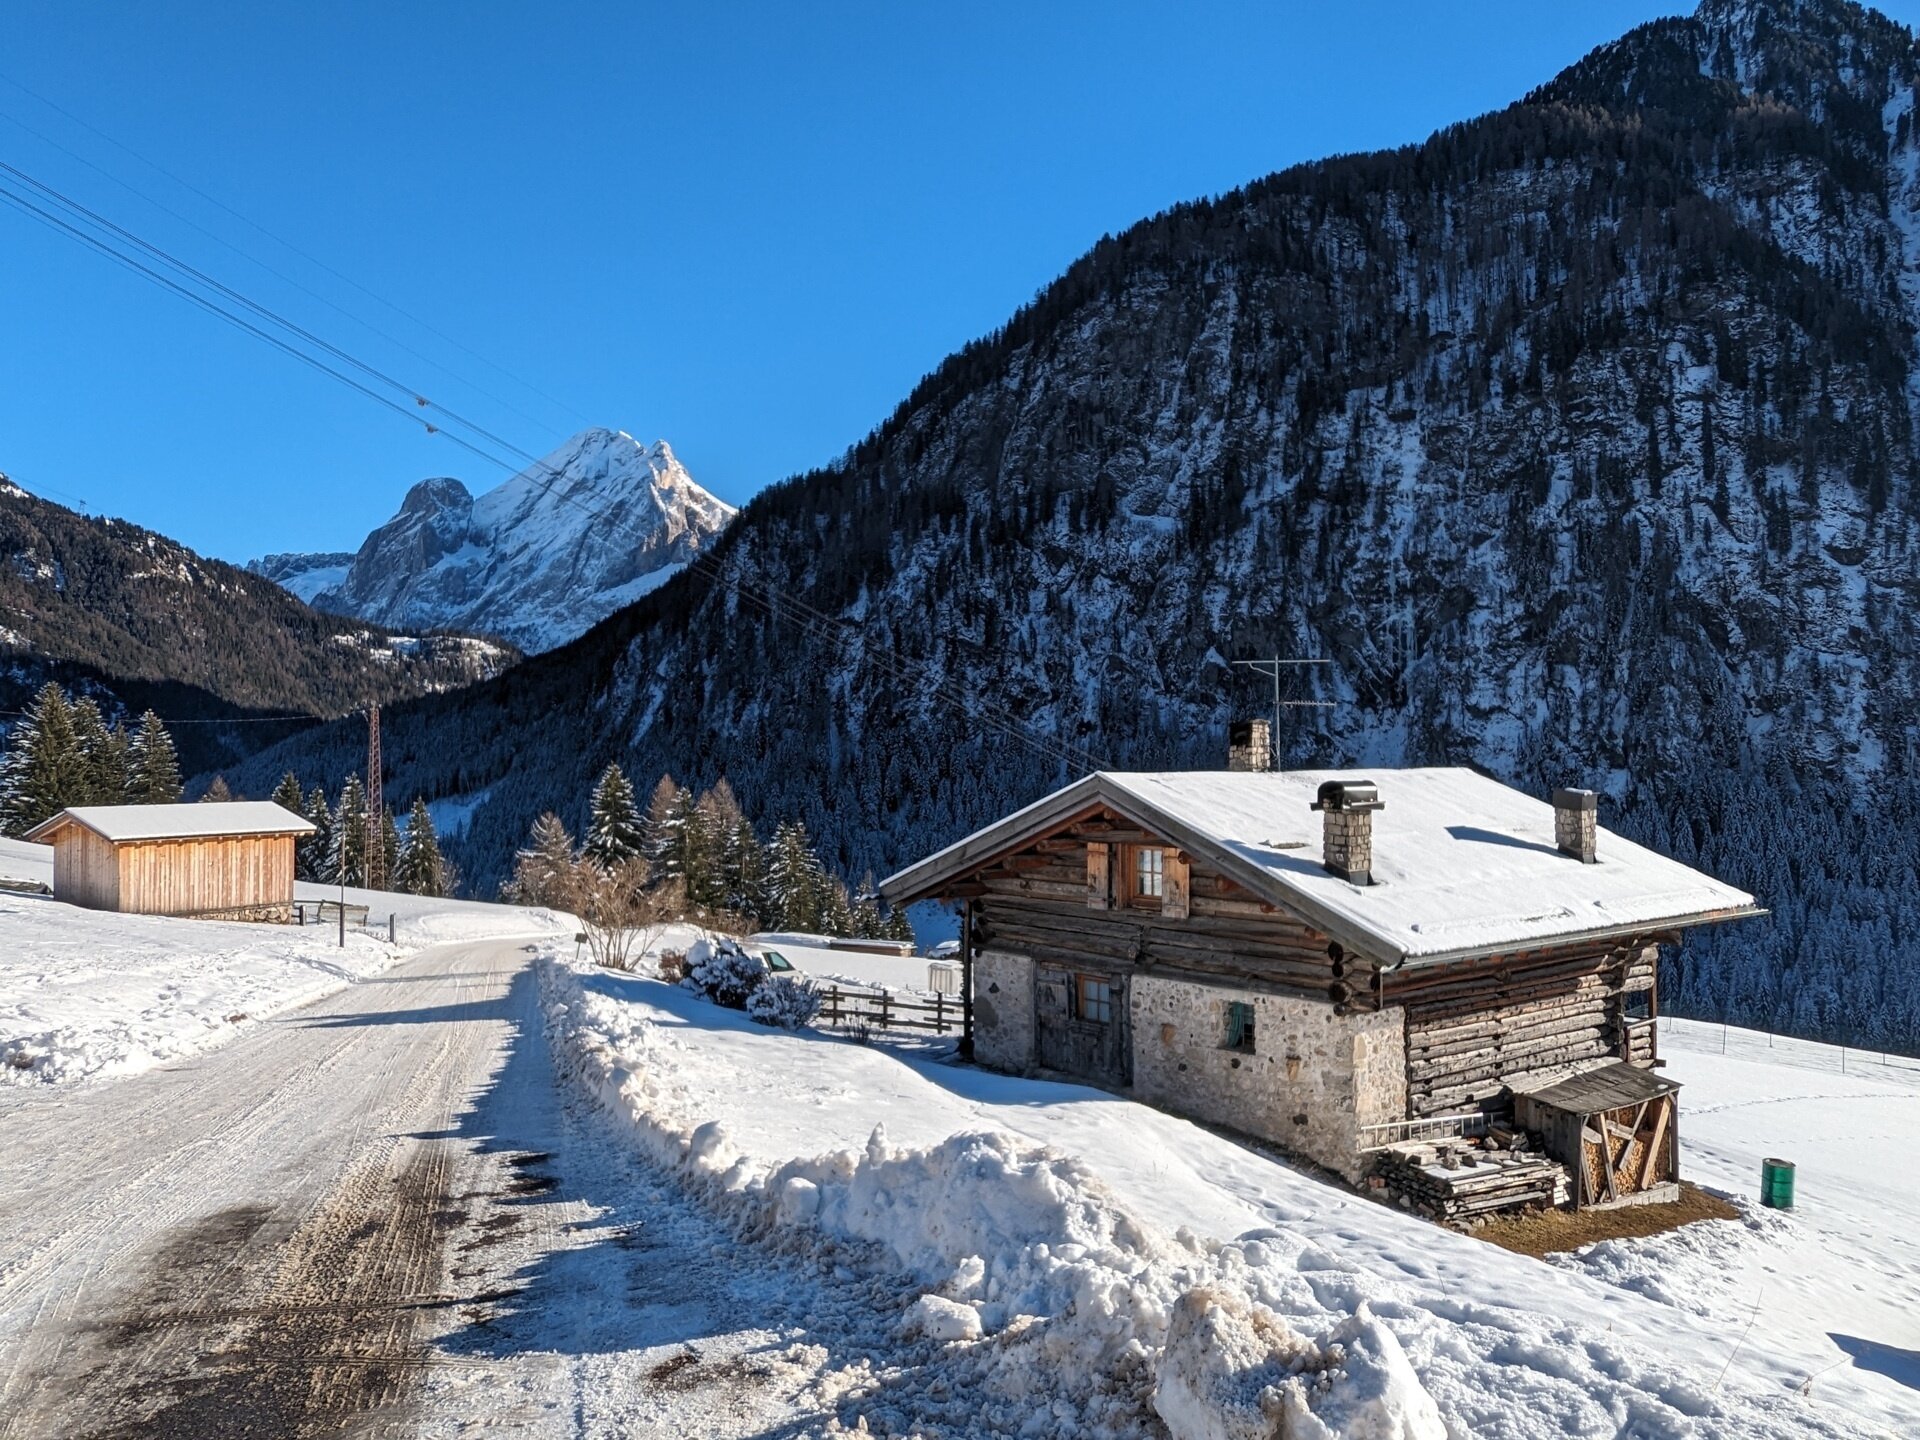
(621, 916)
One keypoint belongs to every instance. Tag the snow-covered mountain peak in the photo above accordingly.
(541, 557)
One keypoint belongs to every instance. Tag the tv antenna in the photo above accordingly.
(1276, 666)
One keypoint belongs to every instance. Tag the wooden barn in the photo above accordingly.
(229, 860)
(1372, 975)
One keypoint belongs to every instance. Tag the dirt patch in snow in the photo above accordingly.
(244, 1327)
(1552, 1232)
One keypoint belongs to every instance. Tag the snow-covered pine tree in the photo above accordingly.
(287, 794)
(350, 835)
(542, 869)
(661, 835)
(421, 869)
(614, 830)
(898, 926)
(865, 919)
(744, 867)
(153, 767)
(389, 846)
(103, 756)
(836, 909)
(313, 854)
(44, 770)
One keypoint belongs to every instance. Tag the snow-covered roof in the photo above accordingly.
(1462, 864)
(120, 823)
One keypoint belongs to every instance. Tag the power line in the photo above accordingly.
(285, 244)
(815, 622)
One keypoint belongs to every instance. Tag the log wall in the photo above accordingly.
(1479, 1026)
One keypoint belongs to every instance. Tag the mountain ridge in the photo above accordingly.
(538, 559)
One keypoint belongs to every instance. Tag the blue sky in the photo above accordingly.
(746, 228)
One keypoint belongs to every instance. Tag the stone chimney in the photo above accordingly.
(1249, 745)
(1346, 807)
(1573, 824)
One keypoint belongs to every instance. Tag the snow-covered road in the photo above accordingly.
(375, 1214)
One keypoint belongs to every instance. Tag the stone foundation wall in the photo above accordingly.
(1309, 1083)
(1003, 1010)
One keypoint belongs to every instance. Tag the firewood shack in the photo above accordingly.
(1424, 980)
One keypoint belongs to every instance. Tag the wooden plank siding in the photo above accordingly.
(85, 869)
(213, 873)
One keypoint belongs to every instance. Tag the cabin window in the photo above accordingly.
(1239, 1026)
(1149, 874)
(1093, 999)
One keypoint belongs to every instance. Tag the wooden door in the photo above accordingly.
(1081, 1025)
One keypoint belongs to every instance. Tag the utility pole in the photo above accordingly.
(376, 850)
(1275, 667)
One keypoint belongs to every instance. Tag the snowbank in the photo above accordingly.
(90, 993)
(1073, 1224)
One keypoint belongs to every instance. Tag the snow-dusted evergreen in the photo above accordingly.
(536, 560)
(614, 829)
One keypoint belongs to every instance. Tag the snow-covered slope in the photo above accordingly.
(1067, 1223)
(304, 575)
(537, 560)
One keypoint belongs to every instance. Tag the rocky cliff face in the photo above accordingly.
(538, 560)
(1579, 438)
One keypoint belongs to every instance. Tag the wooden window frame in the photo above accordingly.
(1102, 987)
(1135, 896)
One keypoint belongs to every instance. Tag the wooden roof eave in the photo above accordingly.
(927, 880)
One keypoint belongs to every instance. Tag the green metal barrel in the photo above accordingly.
(1776, 1184)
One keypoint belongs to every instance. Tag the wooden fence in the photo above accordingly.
(887, 1010)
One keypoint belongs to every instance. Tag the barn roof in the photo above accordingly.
(1462, 864)
(205, 820)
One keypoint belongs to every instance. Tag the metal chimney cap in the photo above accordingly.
(1565, 799)
(1348, 795)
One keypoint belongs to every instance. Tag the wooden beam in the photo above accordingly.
(1664, 1109)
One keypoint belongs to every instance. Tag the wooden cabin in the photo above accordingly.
(230, 860)
(1369, 975)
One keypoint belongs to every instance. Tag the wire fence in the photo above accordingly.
(1713, 1037)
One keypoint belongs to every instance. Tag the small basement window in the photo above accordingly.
(1093, 999)
(1149, 874)
(1239, 1026)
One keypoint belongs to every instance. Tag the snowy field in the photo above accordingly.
(85, 993)
(1110, 1254)
(813, 956)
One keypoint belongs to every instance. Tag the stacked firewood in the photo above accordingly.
(1460, 1180)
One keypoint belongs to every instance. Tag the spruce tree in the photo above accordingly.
(153, 766)
(836, 910)
(350, 835)
(542, 871)
(744, 871)
(421, 870)
(389, 846)
(45, 771)
(313, 854)
(898, 926)
(103, 756)
(287, 794)
(614, 830)
(660, 827)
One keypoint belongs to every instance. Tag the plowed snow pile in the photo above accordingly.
(1089, 1267)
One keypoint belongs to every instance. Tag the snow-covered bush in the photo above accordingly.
(784, 1003)
(720, 971)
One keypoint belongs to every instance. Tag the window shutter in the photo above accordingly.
(1174, 886)
(1099, 876)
